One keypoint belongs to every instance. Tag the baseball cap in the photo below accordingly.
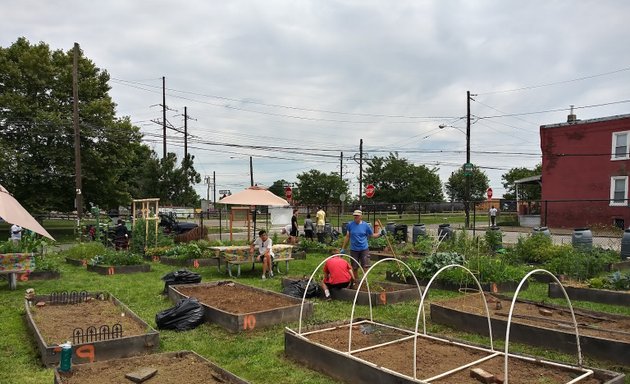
(357, 212)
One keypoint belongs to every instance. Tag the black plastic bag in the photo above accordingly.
(186, 314)
(183, 276)
(296, 289)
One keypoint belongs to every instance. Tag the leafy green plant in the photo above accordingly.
(580, 264)
(494, 240)
(48, 263)
(84, 250)
(534, 249)
(616, 281)
(312, 246)
(140, 238)
(111, 257)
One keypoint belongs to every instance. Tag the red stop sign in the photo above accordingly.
(288, 192)
(369, 191)
(489, 192)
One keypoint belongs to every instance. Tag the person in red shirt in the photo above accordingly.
(337, 274)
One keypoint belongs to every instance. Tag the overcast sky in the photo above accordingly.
(308, 79)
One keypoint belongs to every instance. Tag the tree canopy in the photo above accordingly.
(317, 188)
(277, 188)
(456, 185)
(525, 192)
(37, 134)
(398, 181)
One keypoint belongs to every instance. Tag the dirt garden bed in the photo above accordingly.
(384, 354)
(118, 269)
(602, 336)
(604, 296)
(239, 307)
(99, 326)
(507, 286)
(172, 368)
(194, 263)
(381, 292)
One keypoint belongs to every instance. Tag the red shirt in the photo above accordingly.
(337, 271)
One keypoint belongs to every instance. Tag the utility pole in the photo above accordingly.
(164, 116)
(360, 173)
(77, 131)
(214, 188)
(185, 132)
(467, 176)
(251, 172)
(341, 166)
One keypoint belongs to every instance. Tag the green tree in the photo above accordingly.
(277, 188)
(317, 188)
(456, 185)
(398, 181)
(525, 192)
(173, 185)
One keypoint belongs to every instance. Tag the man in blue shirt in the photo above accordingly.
(358, 232)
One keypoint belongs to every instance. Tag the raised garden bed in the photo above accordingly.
(381, 292)
(239, 307)
(622, 265)
(118, 269)
(602, 336)
(384, 354)
(39, 275)
(172, 368)
(99, 326)
(195, 263)
(508, 286)
(604, 296)
(77, 262)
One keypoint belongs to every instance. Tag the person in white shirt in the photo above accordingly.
(493, 216)
(16, 233)
(265, 252)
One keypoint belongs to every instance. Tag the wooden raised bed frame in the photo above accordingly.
(604, 296)
(97, 350)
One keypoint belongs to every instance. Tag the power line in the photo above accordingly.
(555, 83)
(556, 110)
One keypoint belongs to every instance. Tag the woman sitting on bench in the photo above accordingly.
(265, 253)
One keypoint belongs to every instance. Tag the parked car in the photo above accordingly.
(171, 225)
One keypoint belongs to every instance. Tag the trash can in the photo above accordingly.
(390, 228)
(417, 231)
(582, 238)
(625, 245)
(400, 232)
(344, 228)
(541, 231)
(494, 238)
(444, 231)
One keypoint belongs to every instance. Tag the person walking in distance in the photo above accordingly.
(337, 275)
(309, 227)
(358, 233)
(321, 223)
(16, 234)
(294, 227)
(493, 216)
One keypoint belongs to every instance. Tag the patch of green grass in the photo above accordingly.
(257, 356)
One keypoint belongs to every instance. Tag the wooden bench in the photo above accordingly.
(237, 256)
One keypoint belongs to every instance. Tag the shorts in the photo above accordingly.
(320, 228)
(339, 285)
(262, 257)
(293, 232)
(360, 257)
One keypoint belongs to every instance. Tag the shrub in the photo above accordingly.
(617, 281)
(535, 249)
(580, 264)
(48, 263)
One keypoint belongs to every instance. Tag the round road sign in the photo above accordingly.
(288, 192)
(369, 191)
(489, 192)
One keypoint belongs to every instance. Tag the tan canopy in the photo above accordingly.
(13, 212)
(254, 196)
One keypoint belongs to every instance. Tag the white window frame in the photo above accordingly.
(613, 151)
(613, 179)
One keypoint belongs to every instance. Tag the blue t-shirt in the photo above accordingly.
(359, 234)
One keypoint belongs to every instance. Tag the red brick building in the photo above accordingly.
(585, 169)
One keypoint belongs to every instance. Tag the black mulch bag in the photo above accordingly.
(185, 315)
(296, 289)
(183, 276)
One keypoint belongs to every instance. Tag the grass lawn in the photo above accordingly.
(257, 356)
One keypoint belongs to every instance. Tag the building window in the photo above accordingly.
(620, 146)
(619, 190)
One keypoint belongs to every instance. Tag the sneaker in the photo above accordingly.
(264, 277)
(270, 273)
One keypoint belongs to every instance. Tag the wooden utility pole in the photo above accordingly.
(251, 172)
(185, 132)
(468, 177)
(77, 131)
(341, 166)
(360, 173)
(164, 117)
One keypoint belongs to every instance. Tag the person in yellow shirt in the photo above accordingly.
(321, 222)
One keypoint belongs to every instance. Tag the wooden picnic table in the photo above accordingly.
(14, 263)
(239, 254)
